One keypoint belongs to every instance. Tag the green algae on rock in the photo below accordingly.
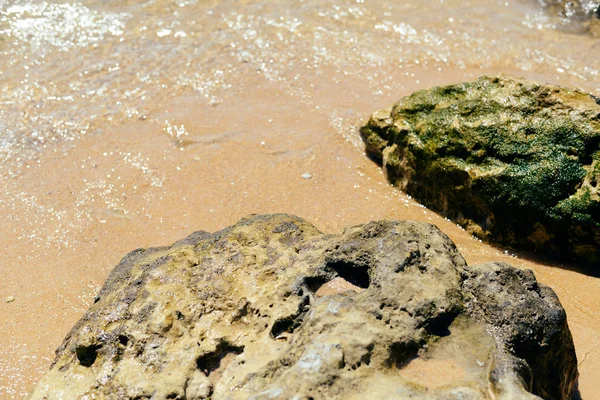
(252, 311)
(512, 161)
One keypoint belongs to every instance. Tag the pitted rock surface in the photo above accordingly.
(271, 308)
(512, 161)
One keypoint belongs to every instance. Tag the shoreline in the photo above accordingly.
(204, 192)
(138, 124)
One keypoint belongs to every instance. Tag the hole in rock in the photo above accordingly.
(401, 353)
(214, 364)
(356, 274)
(440, 325)
(124, 340)
(87, 354)
(590, 147)
(314, 282)
(281, 326)
(367, 357)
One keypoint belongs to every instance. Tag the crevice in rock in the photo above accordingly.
(440, 325)
(214, 363)
(288, 325)
(365, 359)
(87, 354)
(356, 274)
(401, 353)
(413, 258)
(356, 366)
(284, 325)
(591, 146)
(313, 283)
(244, 310)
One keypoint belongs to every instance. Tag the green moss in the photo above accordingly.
(504, 150)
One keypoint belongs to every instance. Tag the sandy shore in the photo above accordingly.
(240, 157)
(136, 123)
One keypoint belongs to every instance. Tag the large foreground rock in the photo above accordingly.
(512, 161)
(273, 309)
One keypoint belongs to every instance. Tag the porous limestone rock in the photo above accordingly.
(512, 161)
(271, 308)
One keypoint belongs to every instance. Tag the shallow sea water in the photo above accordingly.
(128, 124)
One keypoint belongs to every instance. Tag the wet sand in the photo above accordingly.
(201, 157)
(237, 165)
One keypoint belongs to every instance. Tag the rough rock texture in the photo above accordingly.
(512, 161)
(576, 14)
(272, 308)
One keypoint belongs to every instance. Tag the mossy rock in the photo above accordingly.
(512, 161)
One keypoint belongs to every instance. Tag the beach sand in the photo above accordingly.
(188, 161)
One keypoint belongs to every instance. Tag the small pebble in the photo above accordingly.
(10, 299)
(306, 176)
